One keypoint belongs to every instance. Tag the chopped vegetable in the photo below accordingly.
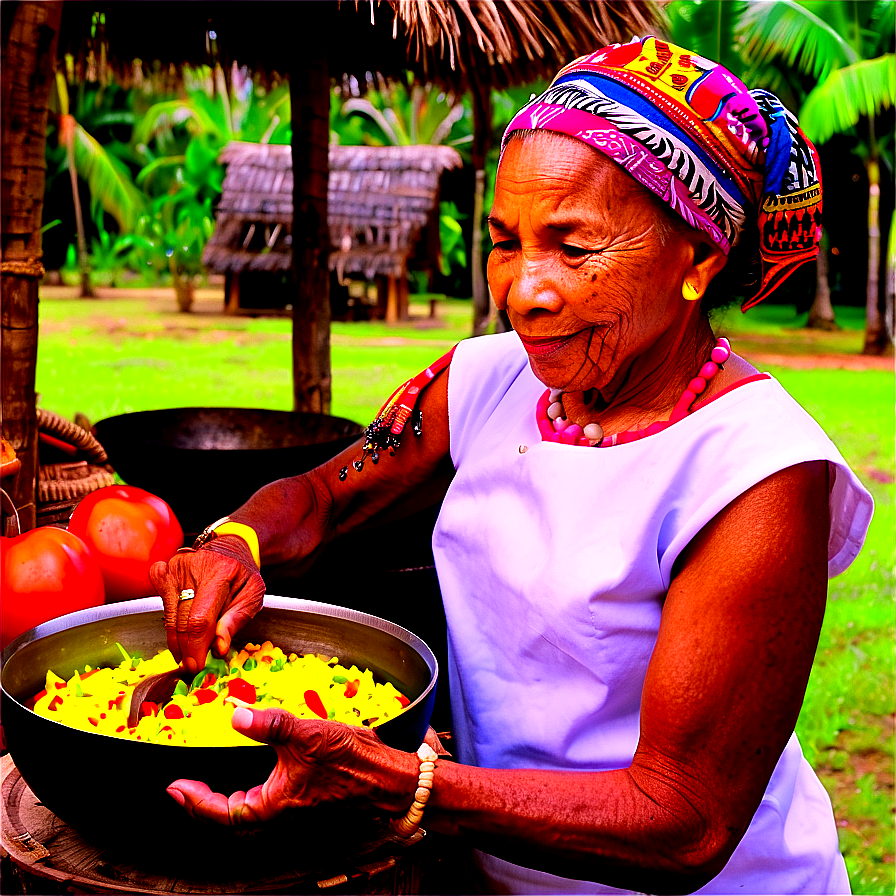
(198, 714)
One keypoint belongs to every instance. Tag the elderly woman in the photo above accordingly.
(637, 526)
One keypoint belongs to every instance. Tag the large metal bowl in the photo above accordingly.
(113, 790)
(206, 462)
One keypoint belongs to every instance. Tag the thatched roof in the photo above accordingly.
(379, 200)
(451, 42)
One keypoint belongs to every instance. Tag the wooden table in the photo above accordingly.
(43, 855)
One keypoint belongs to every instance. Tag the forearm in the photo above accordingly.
(294, 517)
(603, 826)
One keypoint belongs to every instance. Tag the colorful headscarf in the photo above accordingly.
(691, 132)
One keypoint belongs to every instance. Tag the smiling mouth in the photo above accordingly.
(542, 346)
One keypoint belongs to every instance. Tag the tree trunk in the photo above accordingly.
(29, 53)
(482, 131)
(877, 337)
(821, 314)
(67, 136)
(309, 88)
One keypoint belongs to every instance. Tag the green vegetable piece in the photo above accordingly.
(181, 689)
(340, 679)
(277, 665)
(76, 684)
(125, 655)
(216, 667)
(250, 664)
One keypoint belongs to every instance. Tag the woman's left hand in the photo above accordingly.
(317, 761)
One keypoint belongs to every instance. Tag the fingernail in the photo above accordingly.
(181, 799)
(190, 664)
(242, 717)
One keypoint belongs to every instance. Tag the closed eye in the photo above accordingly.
(577, 251)
(505, 245)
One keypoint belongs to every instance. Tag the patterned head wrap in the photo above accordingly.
(691, 132)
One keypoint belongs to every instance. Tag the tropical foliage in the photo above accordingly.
(152, 191)
(832, 63)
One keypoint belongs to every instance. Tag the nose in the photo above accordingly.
(533, 289)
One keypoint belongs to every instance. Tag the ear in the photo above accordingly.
(708, 260)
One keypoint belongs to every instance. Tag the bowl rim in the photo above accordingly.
(272, 601)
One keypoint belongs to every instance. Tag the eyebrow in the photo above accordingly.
(498, 224)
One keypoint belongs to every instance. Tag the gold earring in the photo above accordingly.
(689, 292)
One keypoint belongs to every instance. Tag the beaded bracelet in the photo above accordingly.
(408, 828)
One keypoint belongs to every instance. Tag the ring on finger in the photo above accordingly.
(186, 594)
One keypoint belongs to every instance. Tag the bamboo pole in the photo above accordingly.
(26, 74)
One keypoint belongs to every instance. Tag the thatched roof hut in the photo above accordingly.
(380, 200)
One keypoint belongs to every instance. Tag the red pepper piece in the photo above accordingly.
(55, 703)
(87, 675)
(205, 695)
(241, 689)
(403, 700)
(93, 721)
(148, 708)
(173, 711)
(209, 680)
(117, 701)
(315, 704)
(351, 687)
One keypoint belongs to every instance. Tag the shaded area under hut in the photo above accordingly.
(382, 211)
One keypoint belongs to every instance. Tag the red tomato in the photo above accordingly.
(46, 573)
(129, 529)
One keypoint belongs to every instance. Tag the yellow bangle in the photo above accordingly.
(408, 829)
(227, 526)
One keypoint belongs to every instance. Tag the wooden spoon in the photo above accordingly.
(156, 688)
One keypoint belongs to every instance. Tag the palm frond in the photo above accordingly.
(708, 28)
(786, 29)
(160, 118)
(108, 179)
(838, 103)
(363, 106)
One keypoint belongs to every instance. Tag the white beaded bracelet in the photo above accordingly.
(408, 828)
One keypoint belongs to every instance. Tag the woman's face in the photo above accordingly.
(581, 266)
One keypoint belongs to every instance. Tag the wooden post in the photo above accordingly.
(26, 74)
(309, 90)
(392, 301)
(482, 128)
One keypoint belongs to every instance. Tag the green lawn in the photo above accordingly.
(112, 356)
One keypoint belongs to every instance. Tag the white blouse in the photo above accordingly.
(554, 561)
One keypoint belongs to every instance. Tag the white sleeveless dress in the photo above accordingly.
(553, 566)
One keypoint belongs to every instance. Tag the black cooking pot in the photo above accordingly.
(113, 790)
(206, 462)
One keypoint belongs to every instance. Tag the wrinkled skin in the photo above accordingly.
(229, 592)
(317, 761)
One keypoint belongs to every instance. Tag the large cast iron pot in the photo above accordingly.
(206, 462)
(113, 790)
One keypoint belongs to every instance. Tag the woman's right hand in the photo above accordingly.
(228, 592)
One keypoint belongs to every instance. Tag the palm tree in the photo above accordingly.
(108, 179)
(847, 48)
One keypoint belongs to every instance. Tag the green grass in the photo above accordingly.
(117, 355)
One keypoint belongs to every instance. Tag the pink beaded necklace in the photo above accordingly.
(555, 427)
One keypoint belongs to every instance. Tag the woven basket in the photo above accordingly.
(61, 485)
